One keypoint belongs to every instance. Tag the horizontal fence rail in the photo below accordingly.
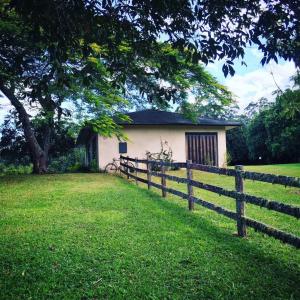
(238, 194)
(269, 178)
(134, 168)
(275, 233)
(262, 202)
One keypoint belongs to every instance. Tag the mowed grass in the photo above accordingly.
(269, 191)
(95, 236)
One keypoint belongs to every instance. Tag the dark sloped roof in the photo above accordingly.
(157, 117)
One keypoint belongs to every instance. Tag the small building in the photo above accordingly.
(203, 141)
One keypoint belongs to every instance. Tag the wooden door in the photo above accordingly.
(202, 148)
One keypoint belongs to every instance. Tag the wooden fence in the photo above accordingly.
(238, 194)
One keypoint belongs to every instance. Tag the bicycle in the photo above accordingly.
(113, 167)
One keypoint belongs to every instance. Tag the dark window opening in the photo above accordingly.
(122, 147)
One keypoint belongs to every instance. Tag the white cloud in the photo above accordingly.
(215, 66)
(5, 106)
(260, 83)
(256, 53)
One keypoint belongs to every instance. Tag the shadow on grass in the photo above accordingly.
(264, 255)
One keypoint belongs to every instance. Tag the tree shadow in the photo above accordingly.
(268, 257)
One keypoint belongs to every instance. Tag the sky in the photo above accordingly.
(252, 82)
(249, 83)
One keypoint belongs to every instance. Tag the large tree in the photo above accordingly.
(37, 81)
(35, 78)
(211, 29)
(93, 52)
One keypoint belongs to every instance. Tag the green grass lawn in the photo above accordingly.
(95, 236)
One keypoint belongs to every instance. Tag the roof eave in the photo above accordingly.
(229, 125)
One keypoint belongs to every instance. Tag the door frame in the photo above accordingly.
(214, 133)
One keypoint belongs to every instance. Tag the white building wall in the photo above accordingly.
(148, 138)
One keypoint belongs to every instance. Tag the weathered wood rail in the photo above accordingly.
(238, 194)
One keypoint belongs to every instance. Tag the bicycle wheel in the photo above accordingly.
(131, 167)
(111, 168)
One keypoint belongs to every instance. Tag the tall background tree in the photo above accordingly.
(271, 130)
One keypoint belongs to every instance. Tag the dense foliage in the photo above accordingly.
(14, 148)
(270, 131)
(99, 74)
(104, 55)
(210, 30)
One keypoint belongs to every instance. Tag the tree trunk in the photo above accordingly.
(43, 159)
(40, 165)
(38, 155)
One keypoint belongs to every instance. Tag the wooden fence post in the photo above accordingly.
(122, 162)
(127, 169)
(189, 175)
(136, 172)
(163, 181)
(148, 172)
(240, 205)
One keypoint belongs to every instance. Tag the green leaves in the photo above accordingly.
(225, 70)
(209, 31)
(272, 130)
(105, 55)
(228, 68)
(106, 126)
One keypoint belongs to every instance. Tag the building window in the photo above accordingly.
(122, 147)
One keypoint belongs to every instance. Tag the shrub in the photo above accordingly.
(11, 169)
(71, 162)
(165, 155)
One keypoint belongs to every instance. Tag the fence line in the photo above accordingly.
(239, 195)
(259, 201)
(269, 178)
